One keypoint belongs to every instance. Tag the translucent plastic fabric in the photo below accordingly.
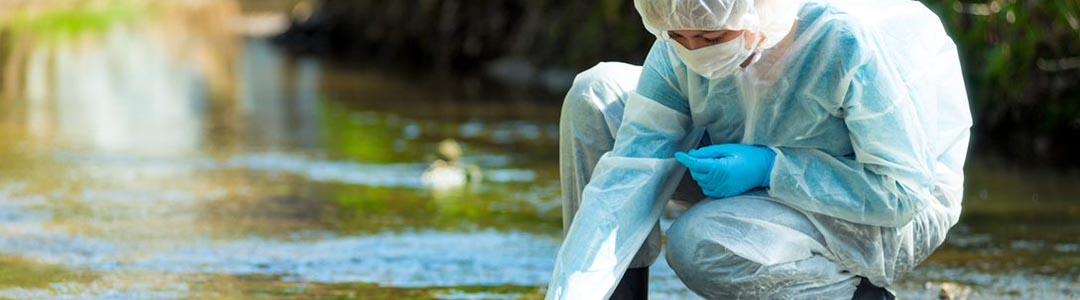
(627, 189)
(750, 247)
(866, 107)
(771, 17)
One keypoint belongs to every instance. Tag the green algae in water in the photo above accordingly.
(15, 272)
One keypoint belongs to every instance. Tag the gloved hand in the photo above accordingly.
(730, 169)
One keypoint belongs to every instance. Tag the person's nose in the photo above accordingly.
(694, 44)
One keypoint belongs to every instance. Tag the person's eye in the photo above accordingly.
(713, 41)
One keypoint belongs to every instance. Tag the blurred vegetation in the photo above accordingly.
(43, 29)
(462, 35)
(1021, 58)
(1022, 65)
(65, 22)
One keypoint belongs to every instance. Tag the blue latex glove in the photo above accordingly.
(730, 169)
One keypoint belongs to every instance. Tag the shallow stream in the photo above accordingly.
(147, 159)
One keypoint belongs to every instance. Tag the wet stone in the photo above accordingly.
(951, 290)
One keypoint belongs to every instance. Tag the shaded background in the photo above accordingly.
(1021, 58)
(282, 149)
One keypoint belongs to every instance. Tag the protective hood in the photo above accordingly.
(773, 18)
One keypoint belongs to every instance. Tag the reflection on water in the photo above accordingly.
(144, 156)
(123, 87)
(123, 94)
(279, 96)
(161, 157)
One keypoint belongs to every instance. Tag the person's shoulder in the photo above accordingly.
(860, 20)
(836, 30)
(832, 21)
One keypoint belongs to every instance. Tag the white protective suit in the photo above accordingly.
(864, 103)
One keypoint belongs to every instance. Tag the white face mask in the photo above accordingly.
(716, 61)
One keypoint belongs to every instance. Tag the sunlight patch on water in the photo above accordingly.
(405, 175)
(422, 259)
(460, 295)
(24, 232)
(1012, 285)
(379, 175)
(115, 287)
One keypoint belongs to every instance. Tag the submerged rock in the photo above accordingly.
(448, 171)
(951, 290)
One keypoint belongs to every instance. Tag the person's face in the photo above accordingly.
(695, 39)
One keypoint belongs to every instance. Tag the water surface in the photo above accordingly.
(157, 156)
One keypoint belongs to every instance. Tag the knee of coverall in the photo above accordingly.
(601, 90)
(702, 263)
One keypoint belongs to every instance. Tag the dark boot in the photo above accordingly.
(633, 286)
(869, 291)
